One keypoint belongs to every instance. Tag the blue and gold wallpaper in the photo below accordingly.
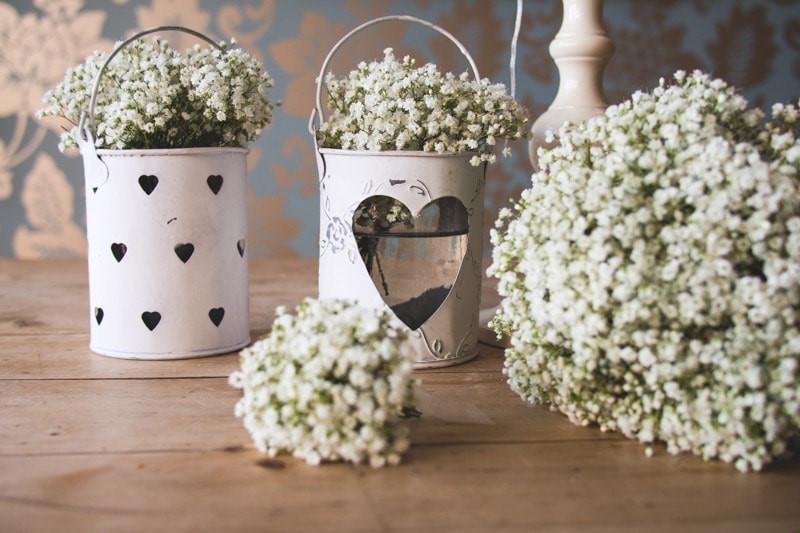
(752, 44)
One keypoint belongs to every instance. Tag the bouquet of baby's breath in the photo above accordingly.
(393, 105)
(651, 275)
(330, 382)
(152, 96)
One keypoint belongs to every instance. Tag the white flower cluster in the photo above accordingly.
(152, 96)
(391, 105)
(651, 275)
(329, 383)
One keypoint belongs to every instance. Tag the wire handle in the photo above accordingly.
(82, 126)
(317, 111)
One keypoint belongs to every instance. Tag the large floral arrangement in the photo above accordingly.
(651, 274)
(330, 382)
(152, 96)
(394, 105)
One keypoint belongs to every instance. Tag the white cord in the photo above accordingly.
(513, 64)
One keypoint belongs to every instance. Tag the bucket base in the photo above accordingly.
(441, 363)
(117, 354)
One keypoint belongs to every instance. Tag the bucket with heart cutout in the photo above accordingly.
(167, 233)
(403, 231)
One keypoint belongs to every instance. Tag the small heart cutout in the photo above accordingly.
(151, 319)
(98, 315)
(214, 183)
(184, 251)
(119, 250)
(413, 261)
(148, 183)
(240, 246)
(216, 315)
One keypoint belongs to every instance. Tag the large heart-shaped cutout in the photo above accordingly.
(413, 259)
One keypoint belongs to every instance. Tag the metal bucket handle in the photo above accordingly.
(317, 111)
(83, 128)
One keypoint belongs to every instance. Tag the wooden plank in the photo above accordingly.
(44, 322)
(205, 491)
(581, 485)
(67, 356)
(90, 443)
(44, 330)
(54, 356)
(122, 415)
(80, 416)
(40, 297)
(589, 486)
(480, 407)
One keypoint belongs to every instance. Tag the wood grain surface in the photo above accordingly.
(91, 443)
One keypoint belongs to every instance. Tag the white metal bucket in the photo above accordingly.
(450, 334)
(168, 253)
(439, 270)
(167, 233)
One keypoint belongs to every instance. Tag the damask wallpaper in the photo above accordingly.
(753, 44)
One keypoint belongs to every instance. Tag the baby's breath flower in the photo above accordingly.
(393, 105)
(328, 383)
(651, 274)
(151, 96)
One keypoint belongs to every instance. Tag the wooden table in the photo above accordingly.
(90, 443)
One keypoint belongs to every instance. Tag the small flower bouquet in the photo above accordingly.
(152, 96)
(393, 105)
(651, 275)
(330, 382)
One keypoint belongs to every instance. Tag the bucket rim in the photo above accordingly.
(203, 150)
(397, 153)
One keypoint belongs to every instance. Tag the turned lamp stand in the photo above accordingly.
(581, 49)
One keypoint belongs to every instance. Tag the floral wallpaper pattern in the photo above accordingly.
(754, 44)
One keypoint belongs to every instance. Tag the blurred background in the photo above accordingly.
(752, 44)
